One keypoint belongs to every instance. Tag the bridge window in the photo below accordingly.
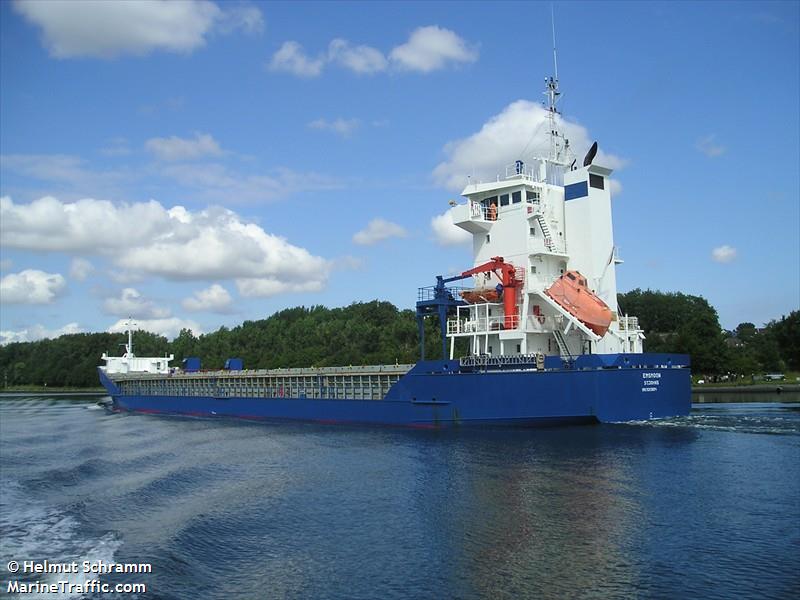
(504, 200)
(532, 196)
(596, 181)
(516, 197)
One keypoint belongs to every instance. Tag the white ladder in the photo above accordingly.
(563, 349)
(548, 241)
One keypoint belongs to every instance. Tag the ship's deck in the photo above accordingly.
(354, 382)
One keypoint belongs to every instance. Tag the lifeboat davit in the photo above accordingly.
(480, 295)
(574, 296)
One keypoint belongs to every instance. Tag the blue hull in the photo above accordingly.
(597, 388)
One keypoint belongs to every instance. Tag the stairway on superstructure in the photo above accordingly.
(548, 241)
(563, 349)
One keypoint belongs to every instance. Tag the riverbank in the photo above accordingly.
(40, 390)
(761, 388)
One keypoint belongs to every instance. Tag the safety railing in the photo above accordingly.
(481, 325)
(531, 323)
(478, 212)
(629, 323)
(429, 292)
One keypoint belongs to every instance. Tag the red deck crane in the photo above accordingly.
(507, 274)
(440, 300)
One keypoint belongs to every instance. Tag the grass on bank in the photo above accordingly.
(744, 381)
(49, 388)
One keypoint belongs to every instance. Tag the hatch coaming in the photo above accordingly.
(355, 383)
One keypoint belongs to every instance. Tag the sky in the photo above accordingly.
(198, 164)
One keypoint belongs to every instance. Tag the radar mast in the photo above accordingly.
(559, 145)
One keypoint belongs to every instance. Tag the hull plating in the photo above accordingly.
(435, 394)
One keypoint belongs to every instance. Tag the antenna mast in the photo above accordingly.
(129, 346)
(557, 147)
(555, 59)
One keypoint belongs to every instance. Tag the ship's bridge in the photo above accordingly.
(526, 218)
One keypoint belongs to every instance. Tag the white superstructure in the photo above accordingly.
(546, 217)
(130, 363)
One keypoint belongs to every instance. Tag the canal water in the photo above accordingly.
(706, 506)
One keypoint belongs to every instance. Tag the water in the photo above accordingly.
(704, 506)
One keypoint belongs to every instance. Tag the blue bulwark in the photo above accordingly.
(576, 190)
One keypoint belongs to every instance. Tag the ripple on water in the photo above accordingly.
(33, 530)
(691, 507)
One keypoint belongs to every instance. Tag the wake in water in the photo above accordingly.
(772, 419)
(29, 530)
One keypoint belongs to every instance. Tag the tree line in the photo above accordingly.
(675, 322)
(379, 333)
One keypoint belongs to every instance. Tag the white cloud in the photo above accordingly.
(31, 286)
(37, 332)
(359, 59)
(428, 49)
(605, 159)
(723, 254)
(131, 303)
(176, 148)
(212, 182)
(378, 230)
(614, 185)
(291, 58)
(446, 233)
(124, 277)
(708, 146)
(432, 48)
(169, 328)
(131, 27)
(175, 243)
(87, 225)
(60, 168)
(519, 131)
(343, 127)
(264, 286)
(216, 244)
(80, 269)
(213, 299)
(246, 18)
(217, 183)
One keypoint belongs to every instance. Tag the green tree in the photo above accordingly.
(786, 333)
(745, 332)
(682, 323)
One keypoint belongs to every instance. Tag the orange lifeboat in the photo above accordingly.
(480, 295)
(571, 292)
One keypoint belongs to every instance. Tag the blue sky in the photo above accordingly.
(199, 164)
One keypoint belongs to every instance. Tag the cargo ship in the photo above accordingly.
(530, 335)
